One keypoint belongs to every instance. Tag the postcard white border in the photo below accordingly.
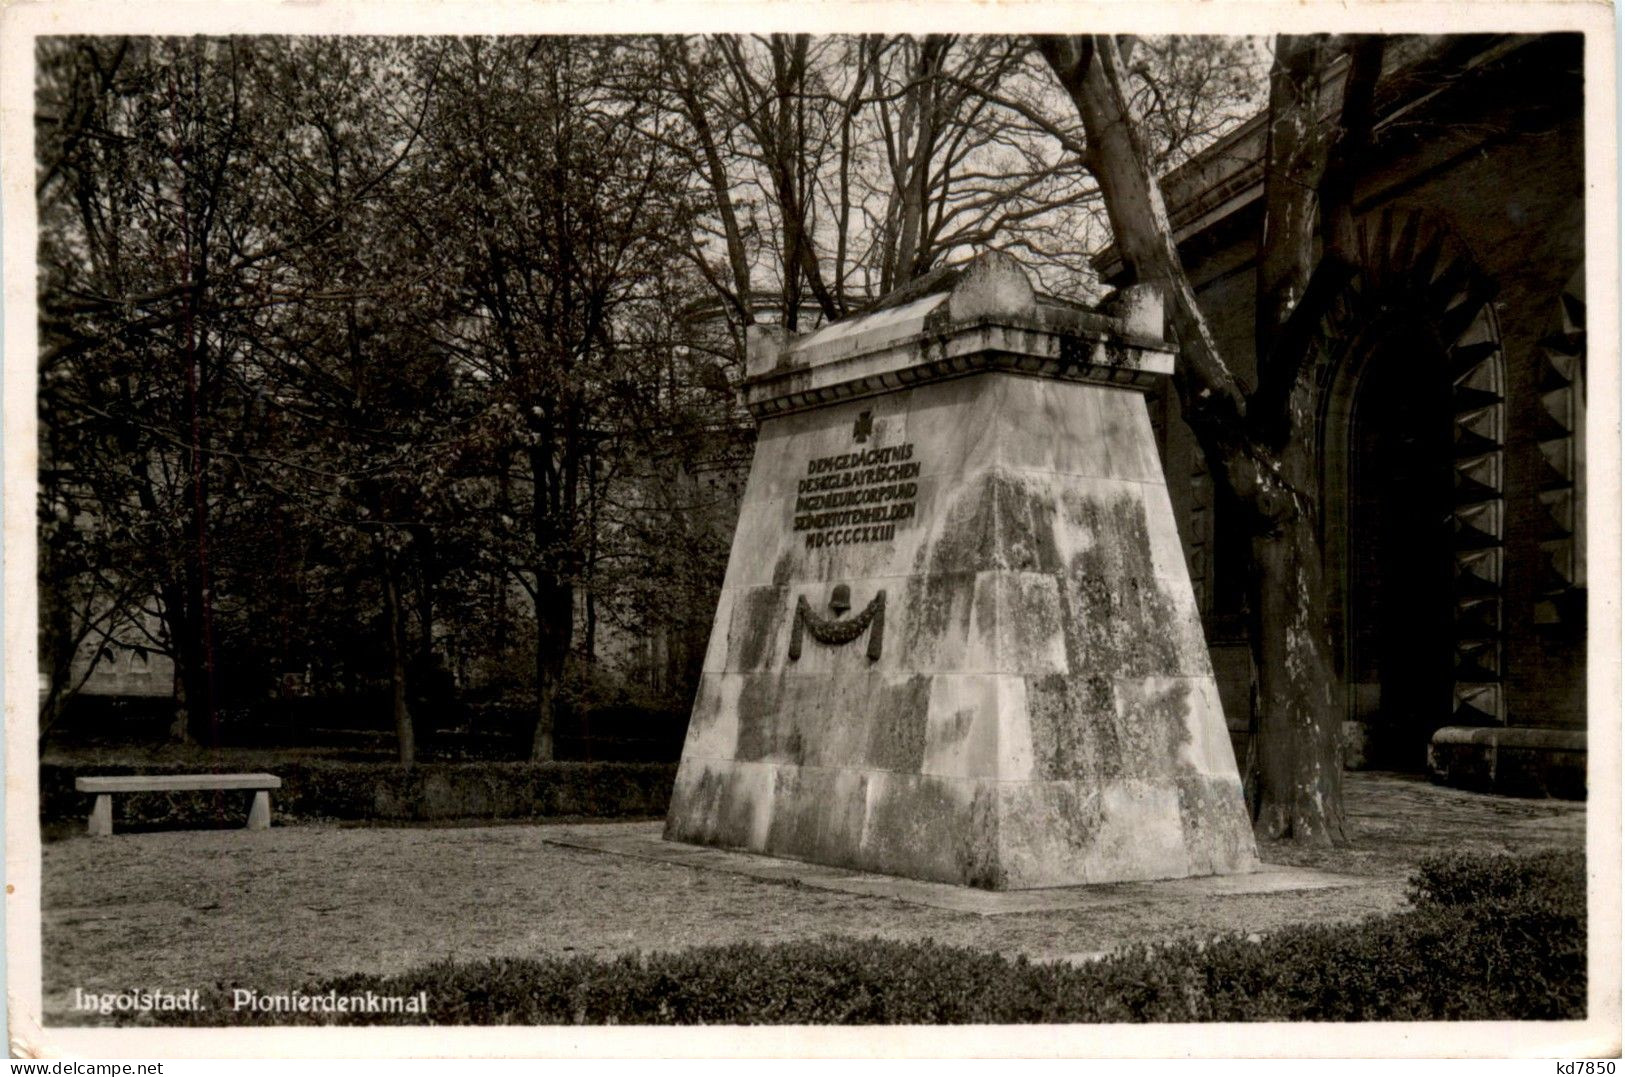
(1598, 1036)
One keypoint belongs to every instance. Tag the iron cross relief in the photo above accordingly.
(861, 428)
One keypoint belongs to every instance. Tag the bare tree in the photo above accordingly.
(841, 168)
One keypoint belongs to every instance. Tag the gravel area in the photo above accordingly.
(277, 909)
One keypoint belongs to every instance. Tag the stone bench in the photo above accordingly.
(1510, 760)
(101, 816)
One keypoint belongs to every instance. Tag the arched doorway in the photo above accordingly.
(1413, 420)
(1399, 635)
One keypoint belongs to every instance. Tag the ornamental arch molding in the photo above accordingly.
(1560, 439)
(1416, 277)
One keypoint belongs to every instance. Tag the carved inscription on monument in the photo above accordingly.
(857, 496)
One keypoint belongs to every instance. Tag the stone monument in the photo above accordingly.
(957, 640)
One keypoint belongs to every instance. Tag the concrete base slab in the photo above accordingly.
(643, 841)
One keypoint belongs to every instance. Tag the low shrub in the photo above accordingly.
(1556, 878)
(385, 792)
(1487, 940)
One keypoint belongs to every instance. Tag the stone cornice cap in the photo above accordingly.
(984, 315)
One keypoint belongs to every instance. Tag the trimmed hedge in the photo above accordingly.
(1554, 880)
(1493, 939)
(386, 792)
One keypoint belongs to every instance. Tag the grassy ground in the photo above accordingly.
(281, 908)
(1395, 821)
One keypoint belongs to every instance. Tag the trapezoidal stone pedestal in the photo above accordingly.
(957, 640)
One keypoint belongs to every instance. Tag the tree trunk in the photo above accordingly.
(179, 627)
(1298, 744)
(716, 174)
(426, 690)
(919, 119)
(555, 613)
(205, 719)
(547, 688)
(405, 740)
(180, 726)
(56, 637)
(1091, 71)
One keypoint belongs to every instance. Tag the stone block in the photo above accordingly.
(818, 813)
(713, 724)
(963, 723)
(1030, 635)
(935, 828)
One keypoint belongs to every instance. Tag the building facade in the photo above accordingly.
(1451, 415)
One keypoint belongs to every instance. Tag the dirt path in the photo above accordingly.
(280, 908)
